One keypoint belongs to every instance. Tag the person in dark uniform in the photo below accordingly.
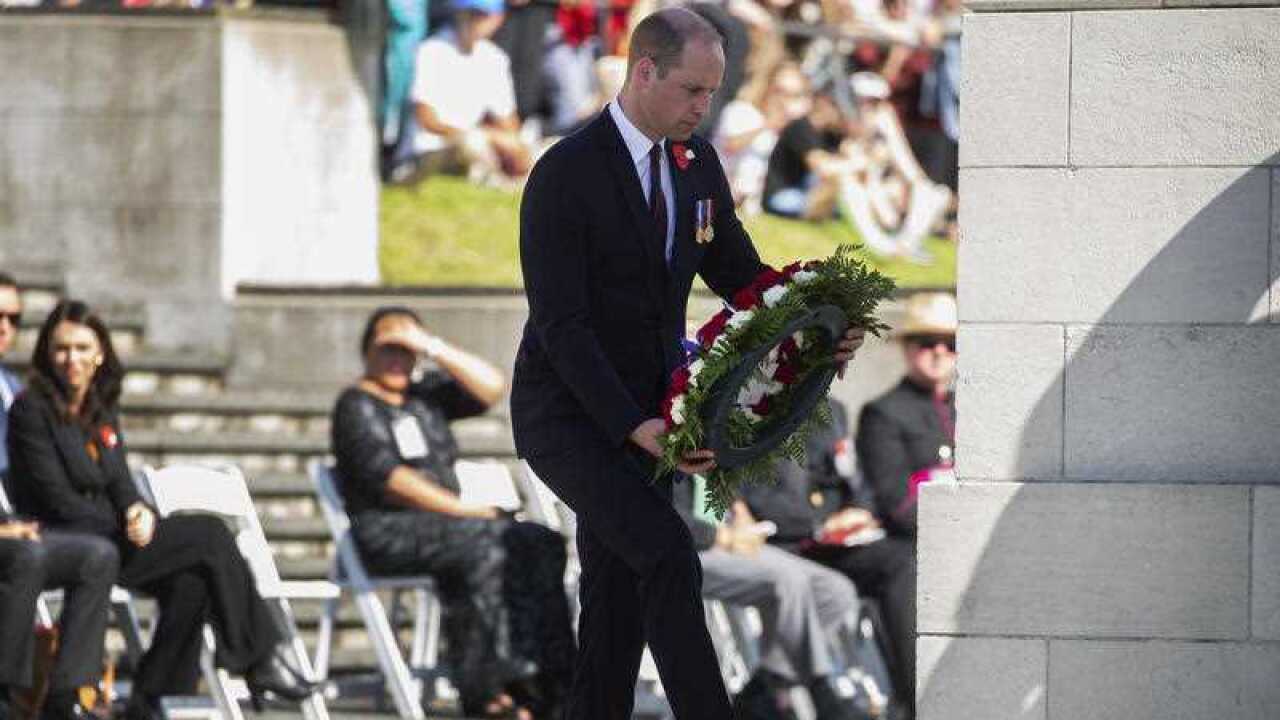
(506, 614)
(821, 513)
(70, 472)
(616, 220)
(907, 436)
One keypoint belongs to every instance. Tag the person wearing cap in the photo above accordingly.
(507, 624)
(464, 98)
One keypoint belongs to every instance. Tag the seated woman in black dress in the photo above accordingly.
(69, 471)
(506, 616)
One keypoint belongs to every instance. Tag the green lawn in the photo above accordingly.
(446, 232)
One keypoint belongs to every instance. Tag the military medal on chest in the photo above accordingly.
(704, 212)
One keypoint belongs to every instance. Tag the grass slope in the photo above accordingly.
(446, 232)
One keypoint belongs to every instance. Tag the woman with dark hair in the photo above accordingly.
(70, 472)
(501, 581)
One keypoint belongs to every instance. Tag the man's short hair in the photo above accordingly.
(6, 280)
(662, 35)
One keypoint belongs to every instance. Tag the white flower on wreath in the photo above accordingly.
(804, 276)
(695, 367)
(774, 295)
(798, 337)
(677, 409)
(740, 318)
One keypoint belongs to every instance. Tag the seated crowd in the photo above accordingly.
(806, 552)
(843, 108)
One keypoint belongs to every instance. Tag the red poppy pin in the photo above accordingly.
(682, 154)
(107, 435)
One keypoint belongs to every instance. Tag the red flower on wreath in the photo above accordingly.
(761, 408)
(682, 155)
(767, 279)
(712, 329)
(792, 269)
(746, 298)
(785, 374)
(679, 381)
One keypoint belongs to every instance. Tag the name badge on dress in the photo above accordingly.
(409, 438)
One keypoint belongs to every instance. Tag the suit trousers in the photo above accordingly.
(801, 605)
(197, 575)
(885, 570)
(85, 566)
(641, 582)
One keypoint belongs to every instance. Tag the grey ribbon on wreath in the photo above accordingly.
(723, 396)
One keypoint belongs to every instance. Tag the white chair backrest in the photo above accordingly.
(543, 505)
(325, 479)
(487, 483)
(219, 491)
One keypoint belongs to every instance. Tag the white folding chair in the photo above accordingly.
(223, 492)
(402, 679)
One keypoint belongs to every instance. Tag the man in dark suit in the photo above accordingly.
(615, 222)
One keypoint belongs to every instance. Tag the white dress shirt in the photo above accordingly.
(638, 144)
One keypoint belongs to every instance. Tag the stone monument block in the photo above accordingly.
(1021, 63)
(1077, 560)
(989, 678)
(1175, 87)
(1156, 680)
(1173, 404)
(1009, 406)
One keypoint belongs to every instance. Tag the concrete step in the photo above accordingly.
(159, 371)
(267, 412)
(273, 452)
(127, 325)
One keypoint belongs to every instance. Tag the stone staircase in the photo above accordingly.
(179, 408)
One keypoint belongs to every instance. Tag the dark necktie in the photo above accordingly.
(658, 201)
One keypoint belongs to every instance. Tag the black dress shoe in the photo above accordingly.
(830, 705)
(273, 677)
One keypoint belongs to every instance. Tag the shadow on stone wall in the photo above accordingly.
(1177, 407)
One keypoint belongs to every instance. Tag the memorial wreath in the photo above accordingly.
(752, 388)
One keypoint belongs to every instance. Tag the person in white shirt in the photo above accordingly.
(464, 99)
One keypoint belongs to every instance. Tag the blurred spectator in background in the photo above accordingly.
(801, 604)
(884, 193)
(506, 614)
(406, 27)
(907, 436)
(822, 513)
(10, 385)
(802, 180)
(569, 74)
(523, 37)
(904, 62)
(465, 101)
(749, 126)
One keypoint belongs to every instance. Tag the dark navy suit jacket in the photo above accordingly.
(606, 312)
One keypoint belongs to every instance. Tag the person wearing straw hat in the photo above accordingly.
(907, 436)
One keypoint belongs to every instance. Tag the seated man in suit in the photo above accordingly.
(801, 603)
(822, 515)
